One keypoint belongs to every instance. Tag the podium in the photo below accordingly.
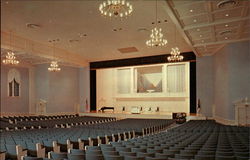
(41, 107)
(242, 112)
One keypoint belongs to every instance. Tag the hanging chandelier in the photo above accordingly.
(156, 36)
(10, 58)
(54, 67)
(175, 55)
(116, 8)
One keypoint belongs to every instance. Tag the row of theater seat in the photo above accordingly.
(37, 142)
(47, 122)
(195, 140)
(35, 118)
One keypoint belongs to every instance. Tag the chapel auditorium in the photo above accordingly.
(125, 80)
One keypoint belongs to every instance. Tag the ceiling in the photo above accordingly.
(67, 19)
(84, 32)
(207, 26)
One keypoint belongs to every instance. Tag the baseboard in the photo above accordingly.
(57, 113)
(15, 114)
(224, 121)
(36, 114)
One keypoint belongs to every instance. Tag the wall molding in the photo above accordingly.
(34, 114)
(224, 121)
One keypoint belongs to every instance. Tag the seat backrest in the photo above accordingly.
(110, 153)
(122, 153)
(76, 151)
(93, 148)
(142, 154)
(138, 150)
(152, 158)
(94, 157)
(31, 145)
(225, 158)
(93, 152)
(108, 148)
(76, 156)
(10, 148)
(124, 149)
(54, 155)
(133, 158)
(204, 157)
(31, 158)
(113, 157)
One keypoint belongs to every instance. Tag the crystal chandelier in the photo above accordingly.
(156, 36)
(54, 67)
(115, 8)
(175, 55)
(10, 58)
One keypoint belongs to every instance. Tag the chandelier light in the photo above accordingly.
(175, 53)
(156, 36)
(54, 67)
(10, 58)
(116, 8)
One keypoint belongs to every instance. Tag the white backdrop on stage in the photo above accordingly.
(136, 86)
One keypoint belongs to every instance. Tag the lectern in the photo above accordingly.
(242, 112)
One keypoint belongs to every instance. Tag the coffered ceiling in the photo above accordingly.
(86, 36)
(207, 26)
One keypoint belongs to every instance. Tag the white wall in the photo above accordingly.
(15, 105)
(59, 89)
(223, 79)
(84, 89)
(107, 96)
(205, 84)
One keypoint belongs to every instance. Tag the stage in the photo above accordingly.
(152, 115)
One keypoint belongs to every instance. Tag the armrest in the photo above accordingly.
(69, 144)
(2, 155)
(20, 152)
(40, 150)
(99, 141)
(129, 135)
(124, 136)
(56, 147)
(106, 139)
(81, 144)
(91, 143)
(119, 137)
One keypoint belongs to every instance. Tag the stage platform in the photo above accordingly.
(165, 115)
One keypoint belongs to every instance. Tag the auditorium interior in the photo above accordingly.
(125, 80)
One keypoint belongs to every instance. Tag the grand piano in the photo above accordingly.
(106, 108)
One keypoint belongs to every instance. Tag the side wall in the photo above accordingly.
(12, 105)
(223, 79)
(205, 84)
(84, 90)
(52, 86)
(37, 83)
